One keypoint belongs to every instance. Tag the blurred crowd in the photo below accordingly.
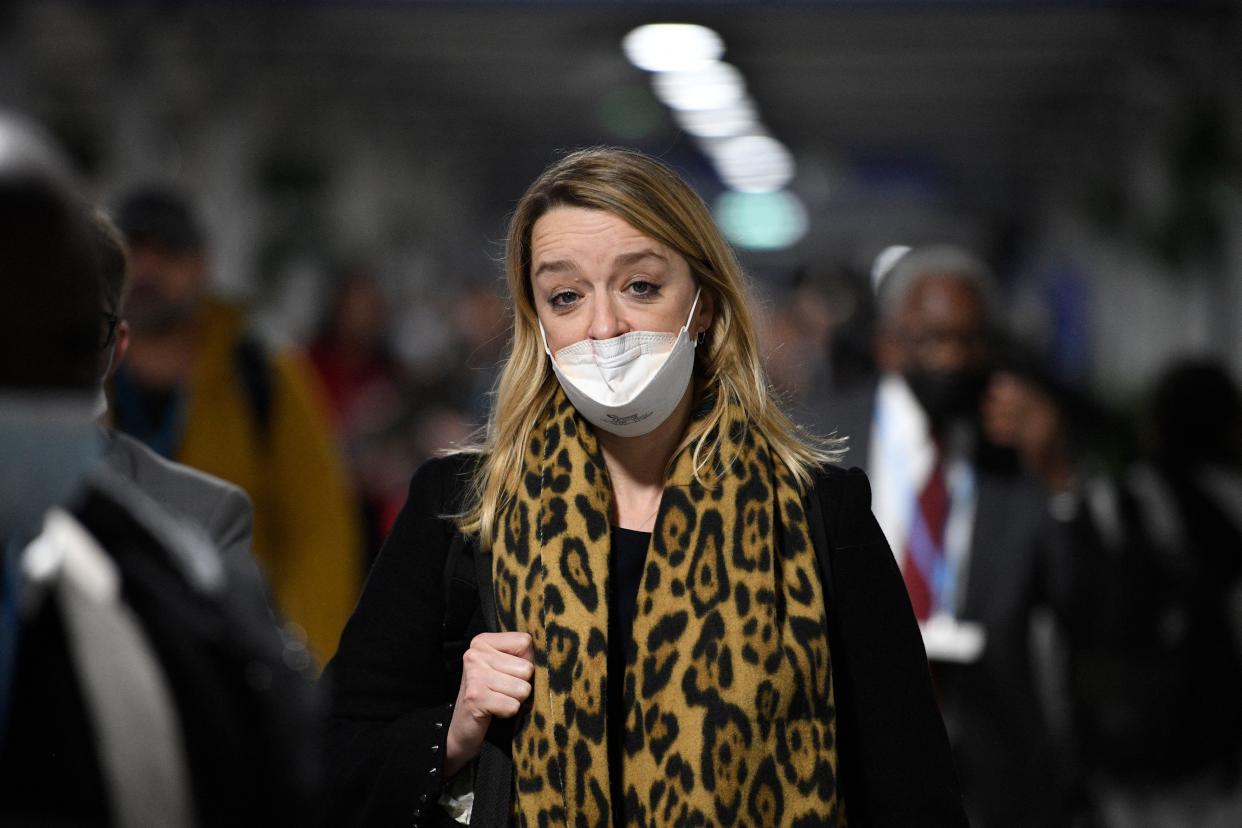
(1076, 570)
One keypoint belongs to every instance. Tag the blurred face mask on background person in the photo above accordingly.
(627, 385)
(948, 395)
(48, 444)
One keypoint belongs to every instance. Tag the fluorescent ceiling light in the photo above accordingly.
(672, 47)
(753, 163)
(761, 221)
(714, 86)
(738, 118)
(885, 262)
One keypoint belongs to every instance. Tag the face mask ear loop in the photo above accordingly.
(698, 339)
(543, 335)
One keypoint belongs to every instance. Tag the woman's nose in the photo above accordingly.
(605, 321)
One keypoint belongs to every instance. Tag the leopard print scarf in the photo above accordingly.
(729, 706)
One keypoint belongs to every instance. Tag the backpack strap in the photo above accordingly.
(493, 779)
(465, 568)
(461, 599)
(255, 370)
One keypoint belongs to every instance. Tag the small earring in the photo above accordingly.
(702, 336)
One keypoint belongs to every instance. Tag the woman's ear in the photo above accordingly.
(705, 314)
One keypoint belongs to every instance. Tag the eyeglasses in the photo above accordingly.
(108, 336)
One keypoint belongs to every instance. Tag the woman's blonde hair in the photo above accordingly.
(655, 201)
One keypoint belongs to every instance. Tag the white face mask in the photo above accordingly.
(630, 384)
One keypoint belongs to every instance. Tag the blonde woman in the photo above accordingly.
(646, 598)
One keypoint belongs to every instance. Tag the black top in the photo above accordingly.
(392, 691)
(629, 552)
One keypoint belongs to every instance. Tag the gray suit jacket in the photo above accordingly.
(220, 509)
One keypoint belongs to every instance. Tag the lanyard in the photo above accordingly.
(942, 561)
(928, 554)
(958, 529)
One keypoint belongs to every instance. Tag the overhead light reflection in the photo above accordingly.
(714, 86)
(708, 100)
(738, 118)
(885, 262)
(672, 47)
(761, 221)
(753, 163)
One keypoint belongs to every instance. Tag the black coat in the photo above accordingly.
(392, 689)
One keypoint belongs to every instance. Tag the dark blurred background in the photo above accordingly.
(353, 164)
(1089, 150)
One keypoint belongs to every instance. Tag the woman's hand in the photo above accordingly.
(495, 680)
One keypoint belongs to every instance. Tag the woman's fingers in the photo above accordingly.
(514, 643)
(511, 665)
(496, 674)
(475, 660)
(514, 688)
(480, 684)
(495, 679)
(482, 701)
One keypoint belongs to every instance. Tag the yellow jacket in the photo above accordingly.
(306, 527)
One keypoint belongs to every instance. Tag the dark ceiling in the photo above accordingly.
(982, 105)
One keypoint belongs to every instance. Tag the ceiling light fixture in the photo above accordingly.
(738, 118)
(672, 47)
(753, 163)
(714, 86)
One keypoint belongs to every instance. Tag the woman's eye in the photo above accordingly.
(642, 288)
(562, 299)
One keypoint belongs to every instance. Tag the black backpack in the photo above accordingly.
(244, 691)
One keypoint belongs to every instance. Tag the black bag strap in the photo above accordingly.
(255, 371)
(460, 601)
(464, 570)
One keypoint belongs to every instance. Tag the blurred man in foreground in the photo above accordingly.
(135, 689)
(198, 388)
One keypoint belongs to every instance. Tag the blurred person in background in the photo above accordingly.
(480, 325)
(389, 418)
(366, 389)
(1156, 636)
(351, 351)
(645, 598)
(968, 523)
(218, 507)
(136, 687)
(199, 388)
(797, 335)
